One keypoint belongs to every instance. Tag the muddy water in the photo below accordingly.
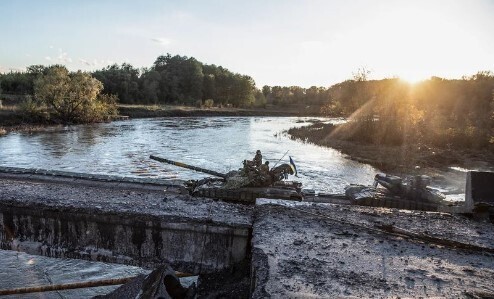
(123, 148)
(217, 143)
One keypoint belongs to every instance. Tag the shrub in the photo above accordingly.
(71, 97)
(209, 103)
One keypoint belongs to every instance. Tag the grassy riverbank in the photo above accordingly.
(405, 158)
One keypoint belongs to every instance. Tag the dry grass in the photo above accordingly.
(9, 108)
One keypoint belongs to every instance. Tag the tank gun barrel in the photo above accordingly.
(179, 164)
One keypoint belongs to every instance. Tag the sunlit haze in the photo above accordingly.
(276, 42)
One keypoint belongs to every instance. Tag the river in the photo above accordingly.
(216, 143)
(123, 148)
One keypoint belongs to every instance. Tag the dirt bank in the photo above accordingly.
(407, 158)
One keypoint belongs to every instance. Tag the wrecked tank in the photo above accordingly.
(244, 185)
(410, 193)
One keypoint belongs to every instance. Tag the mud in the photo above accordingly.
(233, 282)
(328, 251)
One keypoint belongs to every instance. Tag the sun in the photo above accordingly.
(413, 77)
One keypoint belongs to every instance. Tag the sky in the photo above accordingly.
(276, 42)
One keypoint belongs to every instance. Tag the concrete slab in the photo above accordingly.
(131, 226)
(309, 250)
(479, 190)
(98, 198)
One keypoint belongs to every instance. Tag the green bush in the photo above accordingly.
(209, 103)
(71, 97)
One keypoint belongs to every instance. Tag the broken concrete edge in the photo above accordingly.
(92, 253)
(259, 274)
(89, 179)
(102, 214)
(142, 220)
(86, 253)
(123, 240)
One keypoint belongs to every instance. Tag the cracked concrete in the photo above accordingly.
(332, 251)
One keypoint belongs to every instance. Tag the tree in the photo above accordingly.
(208, 87)
(243, 91)
(362, 74)
(181, 79)
(266, 90)
(16, 83)
(37, 70)
(149, 86)
(72, 97)
(122, 81)
(260, 99)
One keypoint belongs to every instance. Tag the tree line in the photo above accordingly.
(439, 112)
(179, 80)
(170, 80)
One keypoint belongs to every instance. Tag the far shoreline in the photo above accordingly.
(12, 121)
